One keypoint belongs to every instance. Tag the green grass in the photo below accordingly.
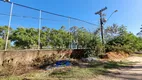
(75, 72)
(10, 78)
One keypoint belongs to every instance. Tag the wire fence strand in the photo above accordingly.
(67, 37)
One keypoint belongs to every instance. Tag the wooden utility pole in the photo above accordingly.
(101, 22)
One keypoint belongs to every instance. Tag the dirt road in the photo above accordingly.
(128, 73)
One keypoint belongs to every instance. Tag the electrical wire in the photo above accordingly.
(30, 17)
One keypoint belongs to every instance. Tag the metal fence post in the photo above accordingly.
(9, 24)
(39, 27)
(70, 44)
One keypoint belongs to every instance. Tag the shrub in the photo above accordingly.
(2, 42)
(127, 42)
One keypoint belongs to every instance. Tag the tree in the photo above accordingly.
(60, 38)
(2, 42)
(3, 34)
(73, 32)
(45, 37)
(140, 33)
(66, 36)
(124, 41)
(93, 43)
(25, 38)
(113, 31)
(83, 37)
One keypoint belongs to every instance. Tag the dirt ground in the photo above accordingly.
(133, 72)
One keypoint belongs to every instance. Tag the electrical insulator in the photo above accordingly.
(104, 20)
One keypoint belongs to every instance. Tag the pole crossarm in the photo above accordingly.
(100, 11)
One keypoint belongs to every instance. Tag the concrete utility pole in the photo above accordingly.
(9, 24)
(101, 22)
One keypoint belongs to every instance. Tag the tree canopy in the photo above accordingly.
(117, 38)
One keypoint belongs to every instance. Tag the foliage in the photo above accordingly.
(60, 38)
(3, 34)
(44, 36)
(140, 33)
(24, 37)
(84, 37)
(117, 38)
(87, 40)
(2, 42)
(113, 31)
(27, 38)
(94, 47)
(123, 41)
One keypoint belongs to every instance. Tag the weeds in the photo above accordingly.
(70, 73)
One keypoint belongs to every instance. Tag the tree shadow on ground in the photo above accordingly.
(125, 76)
(123, 70)
(102, 68)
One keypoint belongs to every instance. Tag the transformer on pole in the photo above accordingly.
(6, 0)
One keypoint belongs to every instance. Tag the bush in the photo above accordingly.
(2, 42)
(127, 42)
(95, 47)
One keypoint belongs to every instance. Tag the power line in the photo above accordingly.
(50, 13)
(30, 17)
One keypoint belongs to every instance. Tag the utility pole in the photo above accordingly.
(102, 20)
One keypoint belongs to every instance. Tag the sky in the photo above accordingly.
(129, 13)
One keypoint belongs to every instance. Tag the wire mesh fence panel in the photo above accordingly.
(82, 33)
(31, 28)
(24, 28)
(54, 31)
(24, 17)
(4, 13)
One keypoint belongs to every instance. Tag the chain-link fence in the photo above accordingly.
(23, 27)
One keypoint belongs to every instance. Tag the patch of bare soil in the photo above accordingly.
(128, 73)
(117, 55)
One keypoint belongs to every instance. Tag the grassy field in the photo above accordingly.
(75, 72)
